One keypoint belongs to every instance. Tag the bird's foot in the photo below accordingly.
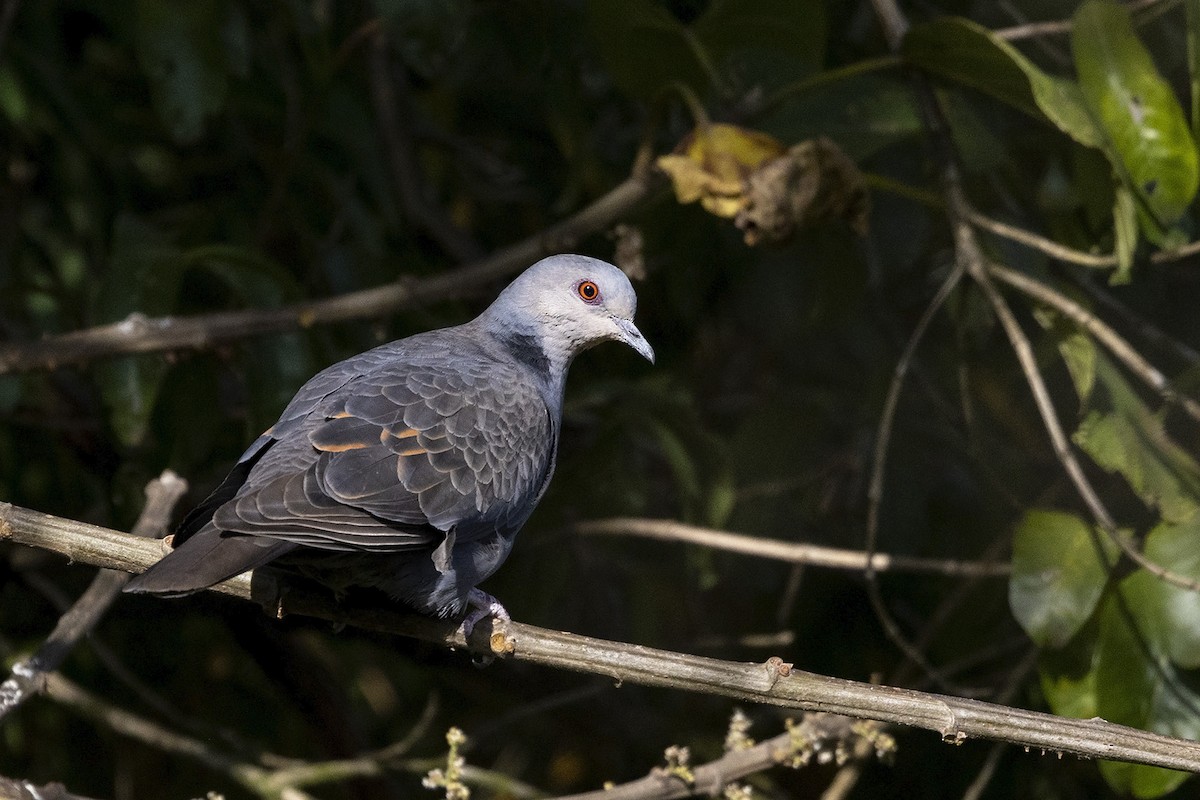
(482, 605)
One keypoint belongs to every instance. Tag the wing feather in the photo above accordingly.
(394, 457)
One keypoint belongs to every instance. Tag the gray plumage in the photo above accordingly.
(411, 467)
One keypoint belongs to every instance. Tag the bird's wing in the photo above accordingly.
(394, 457)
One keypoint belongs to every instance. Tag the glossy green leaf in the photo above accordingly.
(1137, 685)
(1137, 110)
(180, 47)
(970, 54)
(1177, 613)
(1058, 575)
(1128, 438)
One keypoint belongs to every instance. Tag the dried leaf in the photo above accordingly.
(713, 163)
(812, 182)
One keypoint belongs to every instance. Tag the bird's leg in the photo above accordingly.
(482, 605)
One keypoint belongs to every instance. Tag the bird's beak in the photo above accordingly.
(631, 336)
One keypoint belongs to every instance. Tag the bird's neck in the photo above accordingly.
(548, 364)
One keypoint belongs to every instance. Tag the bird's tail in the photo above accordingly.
(206, 558)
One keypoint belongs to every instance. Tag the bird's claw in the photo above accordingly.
(482, 605)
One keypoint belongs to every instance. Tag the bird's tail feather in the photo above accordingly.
(206, 558)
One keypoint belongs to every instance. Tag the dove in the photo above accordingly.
(411, 467)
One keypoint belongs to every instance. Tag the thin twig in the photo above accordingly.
(283, 782)
(29, 674)
(822, 732)
(139, 334)
(773, 683)
(792, 552)
(1055, 27)
(1058, 438)
(969, 254)
(883, 440)
(1070, 255)
(1153, 335)
(133, 726)
(1047, 247)
(1107, 336)
(145, 693)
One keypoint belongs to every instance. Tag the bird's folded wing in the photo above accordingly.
(395, 458)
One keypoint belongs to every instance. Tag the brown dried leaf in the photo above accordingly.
(812, 182)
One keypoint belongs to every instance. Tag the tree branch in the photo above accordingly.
(27, 790)
(792, 552)
(140, 334)
(817, 734)
(1070, 255)
(1126, 353)
(29, 674)
(773, 683)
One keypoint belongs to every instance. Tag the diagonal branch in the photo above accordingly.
(139, 334)
(1126, 353)
(772, 683)
(29, 674)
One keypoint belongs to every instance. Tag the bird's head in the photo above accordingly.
(569, 303)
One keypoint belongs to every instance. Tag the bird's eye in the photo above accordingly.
(589, 292)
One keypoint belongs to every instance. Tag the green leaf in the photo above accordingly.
(1177, 611)
(1125, 233)
(181, 49)
(1137, 685)
(1129, 439)
(1140, 116)
(1058, 574)
(1077, 348)
(968, 53)
(1068, 674)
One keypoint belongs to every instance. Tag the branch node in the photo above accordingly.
(777, 668)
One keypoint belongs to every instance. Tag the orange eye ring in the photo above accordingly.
(588, 291)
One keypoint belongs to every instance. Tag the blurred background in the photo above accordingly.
(174, 159)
